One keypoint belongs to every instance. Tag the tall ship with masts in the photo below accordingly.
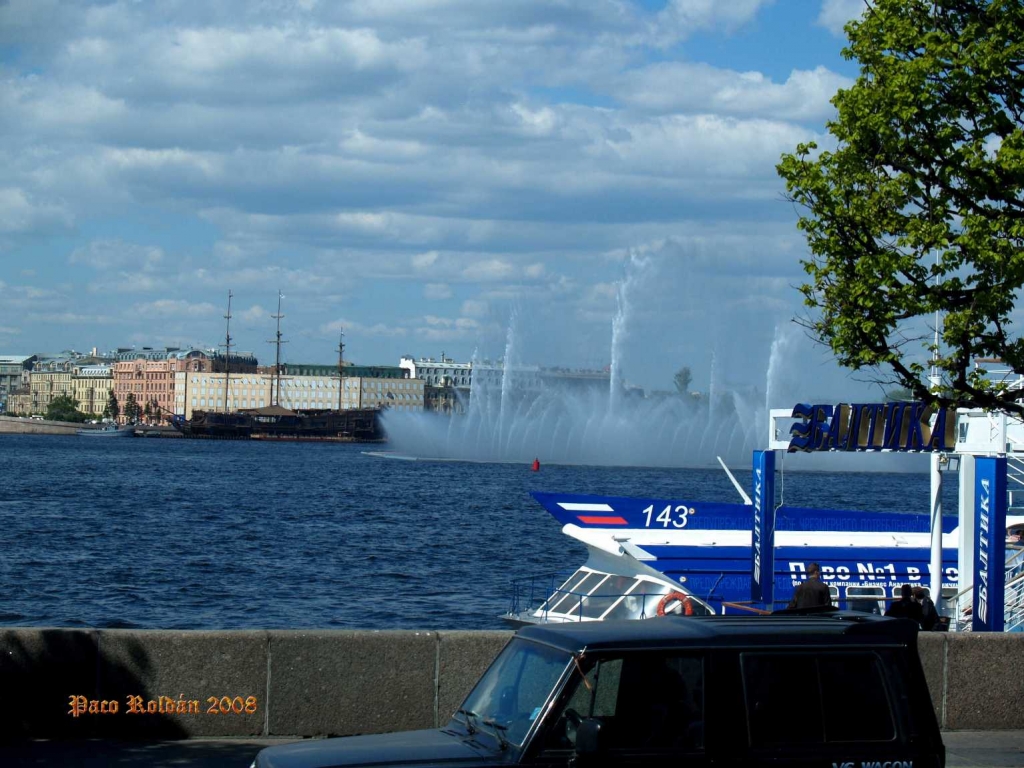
(329, 421)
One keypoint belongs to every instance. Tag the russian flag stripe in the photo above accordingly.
(570, 506)
(603, 520)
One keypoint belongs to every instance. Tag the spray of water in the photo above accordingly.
(636, 266)
(779, 343)
(520, 412)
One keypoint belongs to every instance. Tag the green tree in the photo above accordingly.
(113, 408)
(148, 410)
(131, 408)
(64, 408)
(918, 210)
(682, 380)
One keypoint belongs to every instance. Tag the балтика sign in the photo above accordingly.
(873, 427)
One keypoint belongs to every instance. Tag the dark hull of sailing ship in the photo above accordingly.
(355, 425)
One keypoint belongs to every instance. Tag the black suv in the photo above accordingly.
(836, 690)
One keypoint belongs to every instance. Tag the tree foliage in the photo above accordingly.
(919, 207)
(64, 408)
(682, 380)
(113, 409)
(131, 408)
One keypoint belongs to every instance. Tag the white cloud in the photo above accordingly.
(30, 297)
(357, 143)
(174, 309)
(709, 153)
(268, 278)
(437, 291)
(70, 318)
(682, 86)
(488, 270)
(539, 122)
(20, 213)
(253, 314)
(229, 254)
(62, 109)
(387, 156)
(112, 254)
(447, 329)
(474, 308)
(682, 18)
(361, 329)
(127, 282)
(835, 13)
(365, 222)
(423, 261)
(6, 330)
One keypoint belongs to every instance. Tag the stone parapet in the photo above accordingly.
(181, 684)
(12, 425)
(169, 684)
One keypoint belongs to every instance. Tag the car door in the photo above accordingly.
(650, 705)
(815, 708)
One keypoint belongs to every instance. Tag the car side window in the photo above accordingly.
(794, 698)
(649, 700)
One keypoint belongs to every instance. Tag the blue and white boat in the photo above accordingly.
(647, 556)
(108, 430)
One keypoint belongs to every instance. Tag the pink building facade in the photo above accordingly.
(152, 381)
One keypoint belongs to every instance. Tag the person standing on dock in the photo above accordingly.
(811, 593)
(929, 616)
(905, 607)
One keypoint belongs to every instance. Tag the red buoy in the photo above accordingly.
(536, 465)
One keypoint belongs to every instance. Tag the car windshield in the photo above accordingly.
(512, 693)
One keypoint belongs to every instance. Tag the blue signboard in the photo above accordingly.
(989, 543)
(762, 572)
(891, 426)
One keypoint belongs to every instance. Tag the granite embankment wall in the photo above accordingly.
(316, 683)
(12, 425)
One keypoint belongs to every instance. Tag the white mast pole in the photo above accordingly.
(937, 460)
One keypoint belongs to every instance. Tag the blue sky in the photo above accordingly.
(417, 172)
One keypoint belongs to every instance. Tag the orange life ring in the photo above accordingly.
(684, 599)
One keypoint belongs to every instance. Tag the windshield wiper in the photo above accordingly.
(499, 730)
(470, 717)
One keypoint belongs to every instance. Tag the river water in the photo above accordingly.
(186, 534)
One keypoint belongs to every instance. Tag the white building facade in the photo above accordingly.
(196, 391)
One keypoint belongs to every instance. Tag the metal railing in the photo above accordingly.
(533, 592)
(1013, 615)
(535, 596)
(961, 614)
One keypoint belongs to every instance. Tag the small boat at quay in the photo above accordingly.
(108, 430)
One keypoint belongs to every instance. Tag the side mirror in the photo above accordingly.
(588, 737)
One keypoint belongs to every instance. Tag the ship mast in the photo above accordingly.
(227, 354)
(277, 358)
(341, 366)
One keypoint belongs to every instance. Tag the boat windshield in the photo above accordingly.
(512, 693)
(594, 595)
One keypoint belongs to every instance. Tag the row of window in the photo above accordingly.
(244, 403)
(203, 402)
(872, 599)
(396, 386)
(656, 701)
